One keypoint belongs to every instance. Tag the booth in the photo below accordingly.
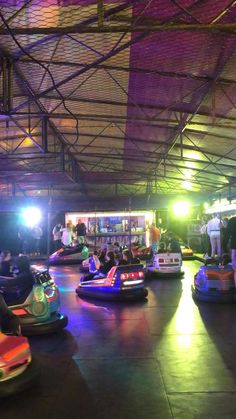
(104, 228)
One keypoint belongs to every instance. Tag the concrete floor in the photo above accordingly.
(163, 358)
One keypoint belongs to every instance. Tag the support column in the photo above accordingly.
(6, 84)
(45, 133)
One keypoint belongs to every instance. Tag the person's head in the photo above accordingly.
(22, 263)
(103, 251)
(5, 255)
(110, 256)
(127, 255)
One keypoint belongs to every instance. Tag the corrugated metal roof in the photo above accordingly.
(117, 97)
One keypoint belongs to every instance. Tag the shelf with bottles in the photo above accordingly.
(123, 227)
(124, 239)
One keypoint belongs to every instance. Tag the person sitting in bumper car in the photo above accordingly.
(128, 259)
(5, 263)
(20, 283)
(173, 244)
(96, 270)
(9, 322)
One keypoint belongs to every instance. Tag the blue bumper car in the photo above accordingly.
(69, 255)
(37, 308)
(214, 284)
(122, 283)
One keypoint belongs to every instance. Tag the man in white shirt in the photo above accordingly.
(205, 244)
(213, 231)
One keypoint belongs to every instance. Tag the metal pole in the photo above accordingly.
(95, 230)
(45, 133)
(9, 84)
(130, 223)
(49, 226)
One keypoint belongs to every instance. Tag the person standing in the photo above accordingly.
(24, 236)
(155, 236)
(231, 239)
(205, 243)
(67, 235)
(36, 234)
(80, 231)
(56, 233)
(213, 230)
(224, 240)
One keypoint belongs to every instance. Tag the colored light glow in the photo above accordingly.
(27, 142)
(193, 155)
(138, 281)
(206, 205)
(190, 164)
(187, 185)
(181, 209)
(188, 174)
(19, 312)
(31, 216)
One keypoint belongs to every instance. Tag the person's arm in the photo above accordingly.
(4, 310)
(208, 229)
(8, 281)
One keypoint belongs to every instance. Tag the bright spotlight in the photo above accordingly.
(181, 209)
(31, 216)
(187, 185)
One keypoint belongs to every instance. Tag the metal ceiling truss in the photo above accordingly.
(157, 163)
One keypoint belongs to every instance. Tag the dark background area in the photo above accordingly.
(10, 224)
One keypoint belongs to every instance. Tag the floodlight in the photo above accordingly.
(181, 209)
(31, 216)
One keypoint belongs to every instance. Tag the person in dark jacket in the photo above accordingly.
(230, 236)
(128, 259)
(173, 244)
(5, 263)
(80, 231)
(9, 322)
(108, 264)
(21, 282)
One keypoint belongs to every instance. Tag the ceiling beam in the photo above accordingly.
(169, 74)
(228, 28)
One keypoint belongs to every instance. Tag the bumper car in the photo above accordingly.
(38, 308)
(122, 283)
(17, 371)
(69, 255)
(187, 252)
(166, 265)
(214, 283)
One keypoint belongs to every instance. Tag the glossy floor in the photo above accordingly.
(163, 358)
